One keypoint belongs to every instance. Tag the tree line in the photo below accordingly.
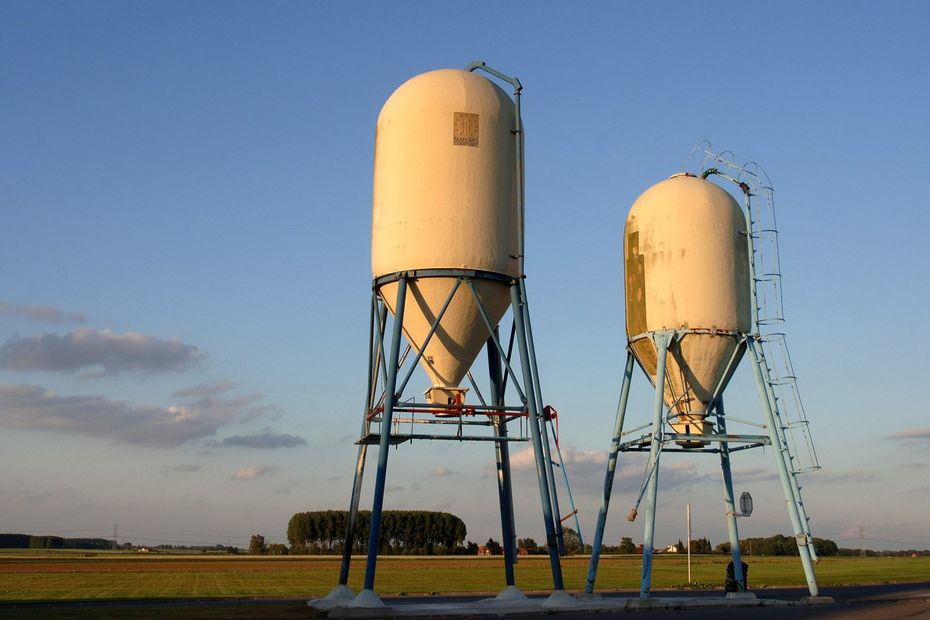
(27, 541)
(402, 532)
(779, 545)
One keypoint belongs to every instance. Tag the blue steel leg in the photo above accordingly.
(374, 360)
(662, 342)
(609, 476)
(728, 500)
(506, 499)
(547, 449)
(784, 474)
(502, 453)
(390, 398)
(535, 417)
(353, 515)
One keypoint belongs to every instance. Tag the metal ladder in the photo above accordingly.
(775, 361)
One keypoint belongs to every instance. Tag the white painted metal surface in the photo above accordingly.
(445, 198)
(686, 268)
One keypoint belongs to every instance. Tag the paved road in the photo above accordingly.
(878, 602)
(871, 602)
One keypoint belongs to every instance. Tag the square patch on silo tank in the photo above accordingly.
(465, 129)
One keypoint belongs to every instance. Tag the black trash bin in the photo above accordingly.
(730, 584)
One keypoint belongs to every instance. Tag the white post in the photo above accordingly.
(689, 544)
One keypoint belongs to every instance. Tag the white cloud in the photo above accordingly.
(442, 472)
(265, 440)
(755, 474)
(99, 353)
(40, 314)
(255, 471)
(31, 407)
(911, 434)
(857, 476)
(586, 470)
(206, 389)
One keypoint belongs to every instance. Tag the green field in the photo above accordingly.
(61, 576)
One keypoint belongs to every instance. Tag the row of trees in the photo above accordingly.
(778, 545)
(773, 545)
(402, 532)
(27, 541)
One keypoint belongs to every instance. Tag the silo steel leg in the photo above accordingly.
(781, 460)
(535, 416)
(662, 343)
(544, 431)
(374, 359)
(502, 454)
(384, 444)
(609, 476)
(728, 499)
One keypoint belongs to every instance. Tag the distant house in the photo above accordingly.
(482, 550)
(523, 551)
(639, 549)
(670, 549)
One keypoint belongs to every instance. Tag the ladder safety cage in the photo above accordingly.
(781, 379)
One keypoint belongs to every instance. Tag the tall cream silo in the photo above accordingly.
(445, 197)
(447, 265)
(686, 268)
(692, 274)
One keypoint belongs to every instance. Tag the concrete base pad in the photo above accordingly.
(337, 597)
(511, 593)
(367, 599)
(560, 598)
(817, 600)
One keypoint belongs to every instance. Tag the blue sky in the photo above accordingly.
(185, 191)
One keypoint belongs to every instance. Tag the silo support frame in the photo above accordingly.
(536, 418)
(662, 340)
(544, 432)
(728, 498)
(782, 459)
(502, 454)
(388, 376)
(375, 359)
(609, 475)
(374, 533)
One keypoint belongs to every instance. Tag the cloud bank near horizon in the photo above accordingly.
(264, 441)
(31, 407)
(98, 353)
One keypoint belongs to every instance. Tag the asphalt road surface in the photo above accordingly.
(873, 602)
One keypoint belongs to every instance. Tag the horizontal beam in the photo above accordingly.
(472, 274)
(397, 438)
(645, 440)
(449, 421)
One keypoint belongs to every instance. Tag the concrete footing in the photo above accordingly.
(367, 599)
(340, 596)
(511, 593)
(559, 599)
(817, 600)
